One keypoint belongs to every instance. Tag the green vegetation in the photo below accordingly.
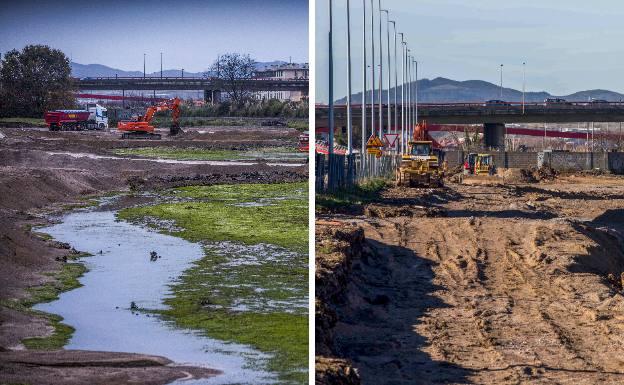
(33, 80)
(181, 153)
(64, 280)
(357, 195)
(22, 122)
(245, 290)
(299, 125)
(194, 153)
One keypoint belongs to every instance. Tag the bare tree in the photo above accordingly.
(231, 69)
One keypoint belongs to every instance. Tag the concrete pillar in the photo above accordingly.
(494, 135)
(212, 96)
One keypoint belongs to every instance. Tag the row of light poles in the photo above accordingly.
(409, 71)
(161, 70)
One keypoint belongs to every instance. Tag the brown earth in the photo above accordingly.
(41, 172)
(513, 284)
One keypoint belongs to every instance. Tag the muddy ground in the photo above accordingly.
(42, 172)
(513, 284)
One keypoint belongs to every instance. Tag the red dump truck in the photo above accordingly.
(67, 120)
(93, 117)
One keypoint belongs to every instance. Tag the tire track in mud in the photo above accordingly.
(500, 303)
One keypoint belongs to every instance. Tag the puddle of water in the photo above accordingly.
(170, 161)
(122, 273)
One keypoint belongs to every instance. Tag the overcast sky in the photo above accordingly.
(190, 33)
(568, 46)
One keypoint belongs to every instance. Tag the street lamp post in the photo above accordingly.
(523, 84)
(396, 76)
(349, 123)
(380, 90)
(372, 67)
(330, 139)
(161, 65)
(416, 91)
(143, 66)
(403, 44)
(409, 95)
(501, 82)
(363, 150)
(389, 69)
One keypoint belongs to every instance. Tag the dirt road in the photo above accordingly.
(499, 285)
(42, 172)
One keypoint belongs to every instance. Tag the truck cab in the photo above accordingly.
(98, 116)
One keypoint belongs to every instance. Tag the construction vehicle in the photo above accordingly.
(481, 170)
(93, 117)
(141, 128)
(421, 166)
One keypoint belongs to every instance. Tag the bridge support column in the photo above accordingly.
(212, 96)
(494, 135)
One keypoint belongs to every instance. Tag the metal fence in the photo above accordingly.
(335, 172)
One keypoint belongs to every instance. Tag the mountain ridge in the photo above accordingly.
(444, 90)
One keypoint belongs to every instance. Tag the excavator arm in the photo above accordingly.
(141, 128)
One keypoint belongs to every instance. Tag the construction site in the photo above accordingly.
(473, 266)
(146, 215)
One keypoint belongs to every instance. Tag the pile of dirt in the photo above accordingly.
(84, 367)
(335, 371)
(337, 246)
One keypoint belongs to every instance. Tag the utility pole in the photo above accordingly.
(389, 69)
(402, 93)
(161, 65)
(380, 91)
(349, 123)
(330, 139)
(523, 84)
(362, 156)
(372, 68)
(501, 82)
(396, 77)
(143, 66)
(409, 96)
(416, 91)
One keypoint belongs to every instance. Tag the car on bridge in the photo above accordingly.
(599, 101)
(495, 102)
(556, 102)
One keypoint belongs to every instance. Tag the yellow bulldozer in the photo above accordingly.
(421, 166)
(480, 169)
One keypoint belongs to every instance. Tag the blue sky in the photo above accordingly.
(568, 46)
(190, 33)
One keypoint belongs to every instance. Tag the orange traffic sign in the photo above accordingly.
(374, 142)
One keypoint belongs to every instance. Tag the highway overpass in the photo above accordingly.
(478, 113)
(212, 87)
(493, 117)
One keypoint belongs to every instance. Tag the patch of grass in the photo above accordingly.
(86, 202)
(64, 280)
(357, 195)
(299, 125)
(22, 122)
(205, 297)
(180, 153)
(202, 154)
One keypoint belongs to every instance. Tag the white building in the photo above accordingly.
(284, 72)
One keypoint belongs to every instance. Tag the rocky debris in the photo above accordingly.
(387, 211)
(154, 256)
(335, 371)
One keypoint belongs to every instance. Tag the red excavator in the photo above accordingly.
(141, 128)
